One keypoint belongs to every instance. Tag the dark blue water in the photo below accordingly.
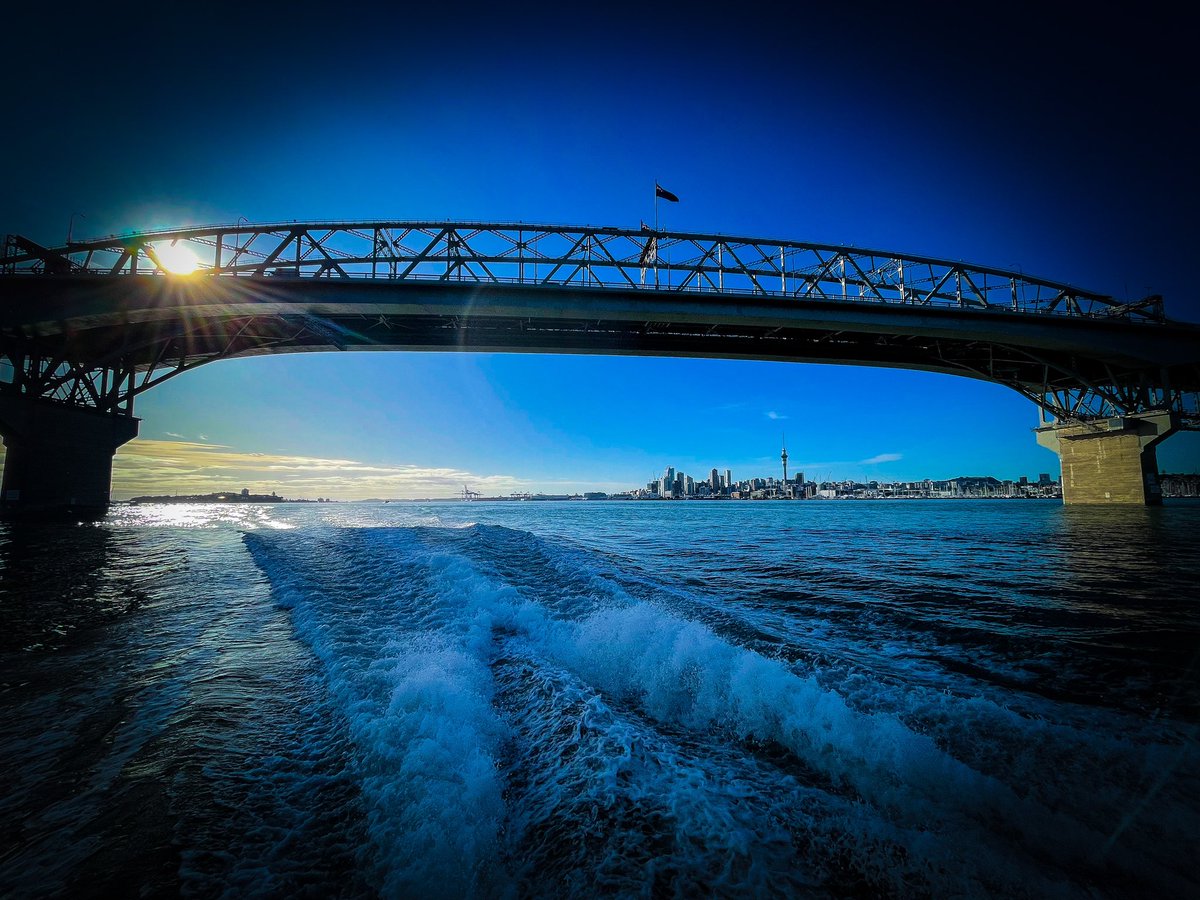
(622, 699)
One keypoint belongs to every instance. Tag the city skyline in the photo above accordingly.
(677, 483)
(1083, 186)
(218, 470)
(175, 464)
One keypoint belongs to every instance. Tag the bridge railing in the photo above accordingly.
(565, 256)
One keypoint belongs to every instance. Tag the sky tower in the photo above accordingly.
(783, 456)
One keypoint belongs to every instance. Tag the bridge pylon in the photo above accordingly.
(58, 458)
(1111, 460)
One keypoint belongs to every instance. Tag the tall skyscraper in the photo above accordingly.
(714, 482)
(783, 456)
(728, 480)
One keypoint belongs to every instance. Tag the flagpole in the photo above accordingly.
(656, 231)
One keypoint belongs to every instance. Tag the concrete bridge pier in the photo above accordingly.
(58, 459)
(1111, 460)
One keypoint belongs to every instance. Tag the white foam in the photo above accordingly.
(429, 771)
(431, 745)
(680, 672)
(420, 714)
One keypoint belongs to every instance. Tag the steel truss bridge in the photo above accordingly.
(95, 323)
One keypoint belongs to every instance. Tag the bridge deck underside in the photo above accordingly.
(147, 345)
(102, 342)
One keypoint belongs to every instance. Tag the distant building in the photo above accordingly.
(674, 484)
(1180, 485)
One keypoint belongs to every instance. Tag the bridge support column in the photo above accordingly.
(1111, 460)
(58, 459)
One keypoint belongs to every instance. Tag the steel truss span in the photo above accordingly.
(574, 256)
(336, 285)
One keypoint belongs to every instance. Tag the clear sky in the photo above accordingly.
(1052, 143)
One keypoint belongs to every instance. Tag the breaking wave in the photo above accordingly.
(531, 718)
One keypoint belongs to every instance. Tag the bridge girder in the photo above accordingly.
(581, 256)
(95, 323)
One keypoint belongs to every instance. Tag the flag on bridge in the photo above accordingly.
(660, 191)
(649, 252)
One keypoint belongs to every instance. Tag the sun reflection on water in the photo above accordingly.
(197, 515)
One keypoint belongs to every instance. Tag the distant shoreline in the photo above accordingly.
(226, 497)
(138, 501)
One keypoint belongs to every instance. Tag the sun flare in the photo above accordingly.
(176, 259)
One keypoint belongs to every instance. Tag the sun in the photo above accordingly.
(176, 259)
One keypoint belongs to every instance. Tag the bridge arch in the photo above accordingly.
(88, 326)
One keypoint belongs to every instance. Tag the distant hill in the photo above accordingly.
(222, 497)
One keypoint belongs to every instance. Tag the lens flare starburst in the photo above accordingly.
(176, 259)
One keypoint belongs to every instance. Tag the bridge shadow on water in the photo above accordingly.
(1123, 542)
(66, 592)
(1127, 580)
(56, 581)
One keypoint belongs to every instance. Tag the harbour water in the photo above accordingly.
(866, 699)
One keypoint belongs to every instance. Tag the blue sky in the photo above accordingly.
(1055, 149)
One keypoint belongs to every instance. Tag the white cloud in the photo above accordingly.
(172, 434)
(185, 467)
(881, 458)
(771, 414)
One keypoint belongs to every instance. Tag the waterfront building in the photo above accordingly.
(1180, 485)
(676, 484)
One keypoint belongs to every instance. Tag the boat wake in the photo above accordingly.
(523, 724)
